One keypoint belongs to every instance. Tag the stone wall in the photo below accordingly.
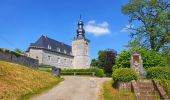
(81, 53)
(23, 60)
(161, 91)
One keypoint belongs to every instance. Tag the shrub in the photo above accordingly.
(150, 58)
(15, 53)
(159, 73)
(166, 85)
(98, 72)
(124, 75)
(11, 52)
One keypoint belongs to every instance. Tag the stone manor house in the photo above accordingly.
(52, 52)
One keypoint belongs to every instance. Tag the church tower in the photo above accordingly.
(80, 48)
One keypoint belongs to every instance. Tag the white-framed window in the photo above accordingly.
(49, 47)
(49, 58)
(58, 60)
(65, 51)
(58, 49)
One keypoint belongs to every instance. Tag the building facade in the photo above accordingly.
(52, 52)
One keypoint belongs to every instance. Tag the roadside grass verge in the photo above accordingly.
(21, 83)
(110, 93)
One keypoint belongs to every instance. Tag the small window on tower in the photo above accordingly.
(86, 43)
(36, 57)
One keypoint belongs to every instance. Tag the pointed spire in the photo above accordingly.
(80, 30)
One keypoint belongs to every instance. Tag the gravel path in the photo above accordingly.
(74, 88)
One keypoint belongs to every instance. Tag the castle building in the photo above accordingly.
(52, 52)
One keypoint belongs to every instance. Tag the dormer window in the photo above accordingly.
(49, 47)
(65, 51)
(58, 49)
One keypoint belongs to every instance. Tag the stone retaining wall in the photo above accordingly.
(144, 89)
(161, 91)
(23, 60)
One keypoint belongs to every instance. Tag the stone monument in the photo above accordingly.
(136, 63)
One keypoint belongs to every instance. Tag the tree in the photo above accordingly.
(154, 23)
(95, 62)
(107, 60)
(19, 51)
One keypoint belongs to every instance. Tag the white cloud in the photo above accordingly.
(127, 28)
(97, 29)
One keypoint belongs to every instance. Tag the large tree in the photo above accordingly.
(153, 28)
(105, 60)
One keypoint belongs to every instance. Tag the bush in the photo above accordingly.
(98, 72)
(124, 75)
(159, 73)
(166, 85)
(150, 58)
(15, 53)
(11, 52)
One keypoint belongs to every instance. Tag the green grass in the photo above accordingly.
(21, 83)
(110, 93)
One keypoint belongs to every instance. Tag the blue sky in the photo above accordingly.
(24, 21)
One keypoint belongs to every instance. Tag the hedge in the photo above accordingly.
(159, 73)
(124, 75)
(98, 72)
(11, 52)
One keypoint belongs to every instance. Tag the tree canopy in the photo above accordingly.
(105, 60)
(153, 18)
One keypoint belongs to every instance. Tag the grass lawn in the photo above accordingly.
(110, 93)
(21, 83)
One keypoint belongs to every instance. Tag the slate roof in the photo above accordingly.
(45, 42)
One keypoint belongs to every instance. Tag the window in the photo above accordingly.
(65, 61)
(65, 51)
(36, 57)
(49, 47)
(58, 60)
(58, 49)
(49, 58)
